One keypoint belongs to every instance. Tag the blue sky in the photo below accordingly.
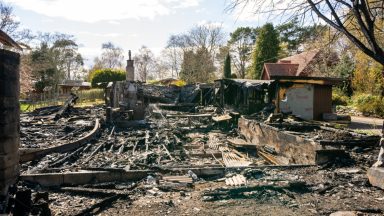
(127, 23)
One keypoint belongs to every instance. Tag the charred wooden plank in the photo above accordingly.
(70, 102)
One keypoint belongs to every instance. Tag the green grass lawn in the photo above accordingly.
(24, 107)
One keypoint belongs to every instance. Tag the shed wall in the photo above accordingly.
(322, 102)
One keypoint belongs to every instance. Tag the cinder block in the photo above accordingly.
(9, 73)
(9, 173)
(9, 145)
(9, 160)
(9, 130)
(376, 176)
(9, 88)
(9, 115)
(9, 65)
(9, 102)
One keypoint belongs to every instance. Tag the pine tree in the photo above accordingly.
(227, 66)
(266, 49)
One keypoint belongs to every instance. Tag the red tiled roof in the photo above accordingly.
(280, 69)
(303, 60)
(296, 65)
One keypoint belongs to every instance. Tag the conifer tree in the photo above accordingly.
(266, 49)
(227, 66)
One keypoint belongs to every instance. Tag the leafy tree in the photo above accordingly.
(56, 58)
(292, 34)
(367, 76)
(162, 69)
(204, 40)
(104, 76)
(144, 63)
(227, 67)
(43, 67)
(26, 78)
(173, 54)
(241, 42)
(220, 58)
(197, 67)
(266, 50)
(361, 21)
(11, 26)
(111, 57)
(345, 67)
(207, 37)
(65, 52)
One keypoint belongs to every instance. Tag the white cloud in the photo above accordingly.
(201, 10)
(89, 52)
(114, 22)
(184, 3)
(263, 11)
(97, 10)
(210, 24)
(109, 35)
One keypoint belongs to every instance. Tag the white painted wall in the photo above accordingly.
(299, 101)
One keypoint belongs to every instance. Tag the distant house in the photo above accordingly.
(306, 64)
(67, 86)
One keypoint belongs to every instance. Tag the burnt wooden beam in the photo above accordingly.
(120, 175)
(68, 103)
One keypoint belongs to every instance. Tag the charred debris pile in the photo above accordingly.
(150, 140)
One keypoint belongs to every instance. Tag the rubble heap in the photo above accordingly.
(178, 163)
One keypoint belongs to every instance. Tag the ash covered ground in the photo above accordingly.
(190, 168)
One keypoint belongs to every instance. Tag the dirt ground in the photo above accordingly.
(367, 124)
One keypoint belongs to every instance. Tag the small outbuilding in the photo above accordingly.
(306, 97)
(67, 86)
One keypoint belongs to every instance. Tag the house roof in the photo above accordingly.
(296, 65)
(308, 80)
(247, 83)
(302, 59)
(75, 83)
(281, 69)
(8, 41)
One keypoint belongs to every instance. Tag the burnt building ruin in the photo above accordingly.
(156, 149)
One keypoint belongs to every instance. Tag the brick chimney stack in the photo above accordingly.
(130, 69)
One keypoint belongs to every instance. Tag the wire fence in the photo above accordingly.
(38, 100)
